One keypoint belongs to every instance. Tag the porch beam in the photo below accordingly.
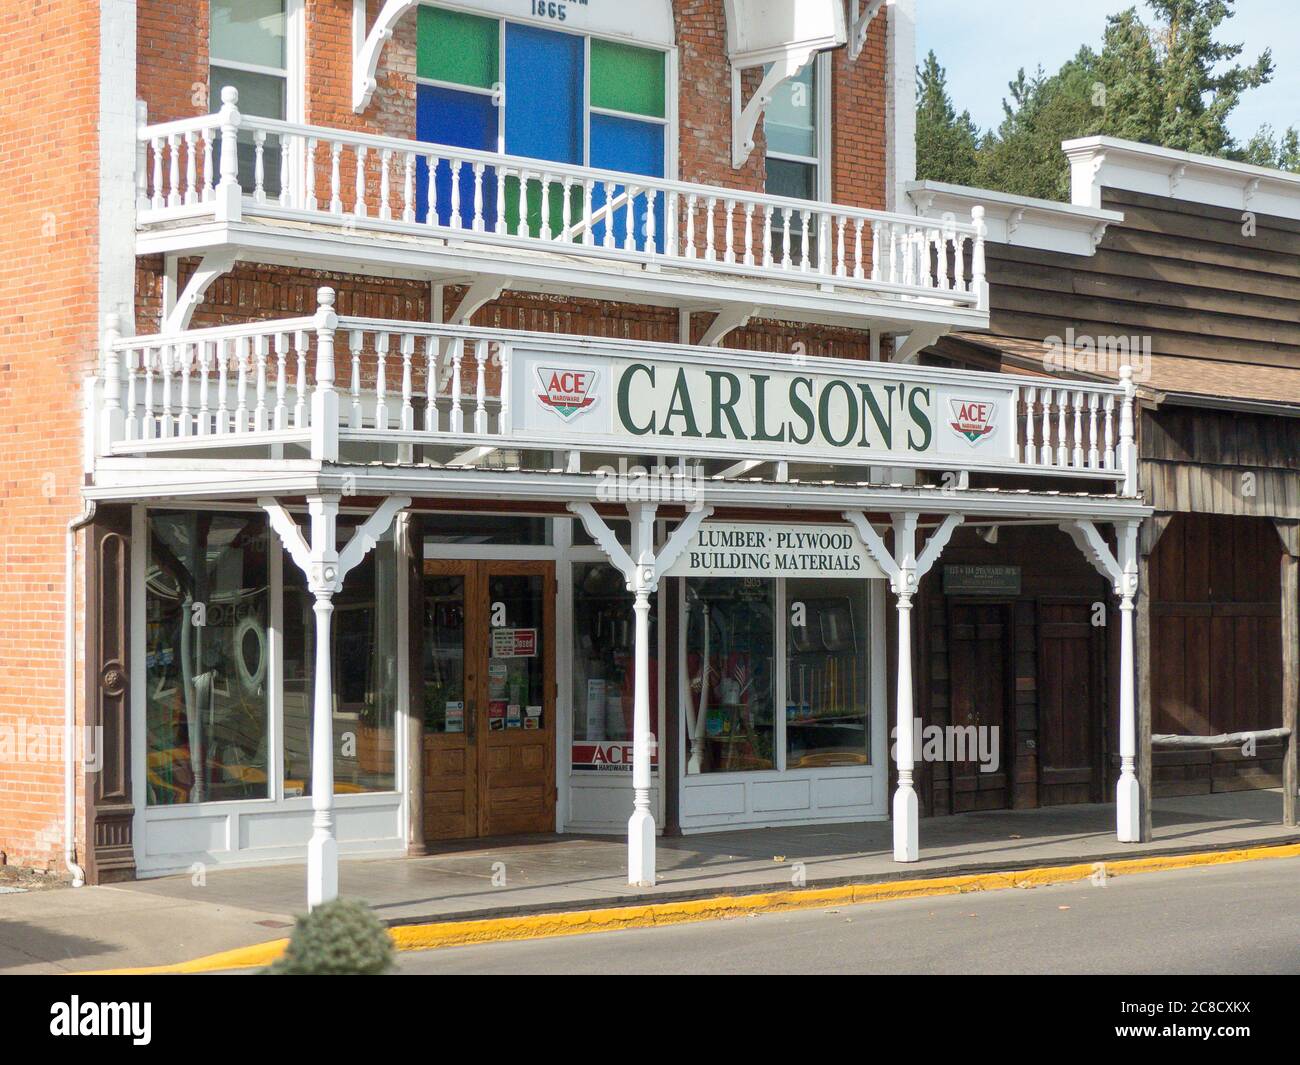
(917, 341)
(1149, 536)
(905, 568)
(325, 568)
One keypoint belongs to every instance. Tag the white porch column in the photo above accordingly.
(325, 568)
(905, 568)
(1128, 803)
(322, 578)
(1122, 571)
(641, 825)
(641, 568)
(906, 807)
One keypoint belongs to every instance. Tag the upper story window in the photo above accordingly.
(499, 86)
(248, 48)
(798, 143)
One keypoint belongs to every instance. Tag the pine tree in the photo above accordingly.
(946, 143)
(1166, 84)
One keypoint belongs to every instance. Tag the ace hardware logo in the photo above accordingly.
(568, 392)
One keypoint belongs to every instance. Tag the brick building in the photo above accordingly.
(505, 412)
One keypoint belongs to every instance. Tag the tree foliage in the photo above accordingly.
(1171, 83)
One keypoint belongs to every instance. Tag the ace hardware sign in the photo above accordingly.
(777, 408)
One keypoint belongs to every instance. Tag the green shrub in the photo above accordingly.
(340, 938)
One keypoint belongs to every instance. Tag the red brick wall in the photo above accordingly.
(49, 281)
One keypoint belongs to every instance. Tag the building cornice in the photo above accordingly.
(1019, 221)
(1106, 162)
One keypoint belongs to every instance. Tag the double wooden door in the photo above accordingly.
(488, 673)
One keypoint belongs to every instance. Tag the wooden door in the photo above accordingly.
(489, 665)
(979, 658)
(1071, 703)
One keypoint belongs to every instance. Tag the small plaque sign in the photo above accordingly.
(1000, 581)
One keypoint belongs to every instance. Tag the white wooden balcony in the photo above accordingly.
(335, 199)
(352, 390)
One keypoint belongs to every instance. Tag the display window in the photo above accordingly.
(777, 674)
(364, 658)
(604, 673)
(206, 658)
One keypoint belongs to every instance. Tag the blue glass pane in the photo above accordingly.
(544, 92)
(462, 120)
(629, 147)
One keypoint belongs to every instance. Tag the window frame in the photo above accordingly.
(668, 121)
(293, 72)
(821, 162)
(780, 678)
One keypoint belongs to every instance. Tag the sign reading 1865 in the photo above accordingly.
(702, 407)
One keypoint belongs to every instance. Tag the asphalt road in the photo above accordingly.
(1242, 918)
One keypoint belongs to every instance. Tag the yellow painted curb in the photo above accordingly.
(660, 914)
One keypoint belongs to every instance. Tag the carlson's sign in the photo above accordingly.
(701, 407)
(744, 549)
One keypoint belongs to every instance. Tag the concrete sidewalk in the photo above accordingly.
(170, 919)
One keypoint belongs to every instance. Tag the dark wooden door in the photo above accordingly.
(979, 658)
(489, 678)
(1071, 703)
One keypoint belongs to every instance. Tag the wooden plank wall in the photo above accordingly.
(1184, 274)
(1216, 644)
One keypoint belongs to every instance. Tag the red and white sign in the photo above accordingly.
(568, 391)
(606, 756)
(514, 643)
(972, 418)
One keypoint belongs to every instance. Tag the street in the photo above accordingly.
(1241, 918)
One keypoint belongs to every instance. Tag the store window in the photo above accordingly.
(827, 694)
(482, 530)
(364, 656)
(498, 86)
(762, 694)
(248, 49)
(731, 669)
(206, 658)
(797, 150)
(604, 658)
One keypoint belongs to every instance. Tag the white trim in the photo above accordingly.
(1020, 221)
(900, 102)
(1107, 162)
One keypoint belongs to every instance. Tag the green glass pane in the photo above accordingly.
(462, 49)
(629, 79)
(534, 207)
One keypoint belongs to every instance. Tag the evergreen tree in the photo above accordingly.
(946, 143)
(1166, 84)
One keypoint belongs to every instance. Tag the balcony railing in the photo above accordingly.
(195, 168)
(340, 388)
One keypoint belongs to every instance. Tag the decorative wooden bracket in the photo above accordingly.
(903, 566)
(640, 565)
(860, 22)
(744, 120)
(920, 338)
(366, 46)
(726, 320)
(212, 266)
(309, 558)
(1121, 571)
